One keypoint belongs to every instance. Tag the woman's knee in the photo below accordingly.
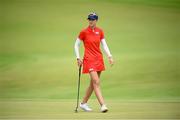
(96, 82)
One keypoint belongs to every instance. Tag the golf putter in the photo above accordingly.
(77, 105)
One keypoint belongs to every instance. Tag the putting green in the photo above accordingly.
(64, 109)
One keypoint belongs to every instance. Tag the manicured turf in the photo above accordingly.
(64, 109)
(37, 60)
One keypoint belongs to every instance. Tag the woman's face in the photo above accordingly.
(92, 23)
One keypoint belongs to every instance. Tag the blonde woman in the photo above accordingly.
(93, 63)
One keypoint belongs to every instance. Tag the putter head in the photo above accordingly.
(76, 110)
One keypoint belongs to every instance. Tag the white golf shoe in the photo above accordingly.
(104, 108)
(85, 107)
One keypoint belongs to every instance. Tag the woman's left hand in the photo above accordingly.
(111, 61)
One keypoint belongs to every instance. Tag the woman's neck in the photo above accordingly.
(92, 27)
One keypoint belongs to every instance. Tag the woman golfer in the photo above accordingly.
(92, 62)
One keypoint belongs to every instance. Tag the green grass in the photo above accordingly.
(37, 60)
(64, 109)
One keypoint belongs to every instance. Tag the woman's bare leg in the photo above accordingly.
(96, 85)
(88, 92)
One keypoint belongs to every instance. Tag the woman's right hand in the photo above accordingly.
(79, 62)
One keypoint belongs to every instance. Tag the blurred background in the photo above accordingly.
(37, 59)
